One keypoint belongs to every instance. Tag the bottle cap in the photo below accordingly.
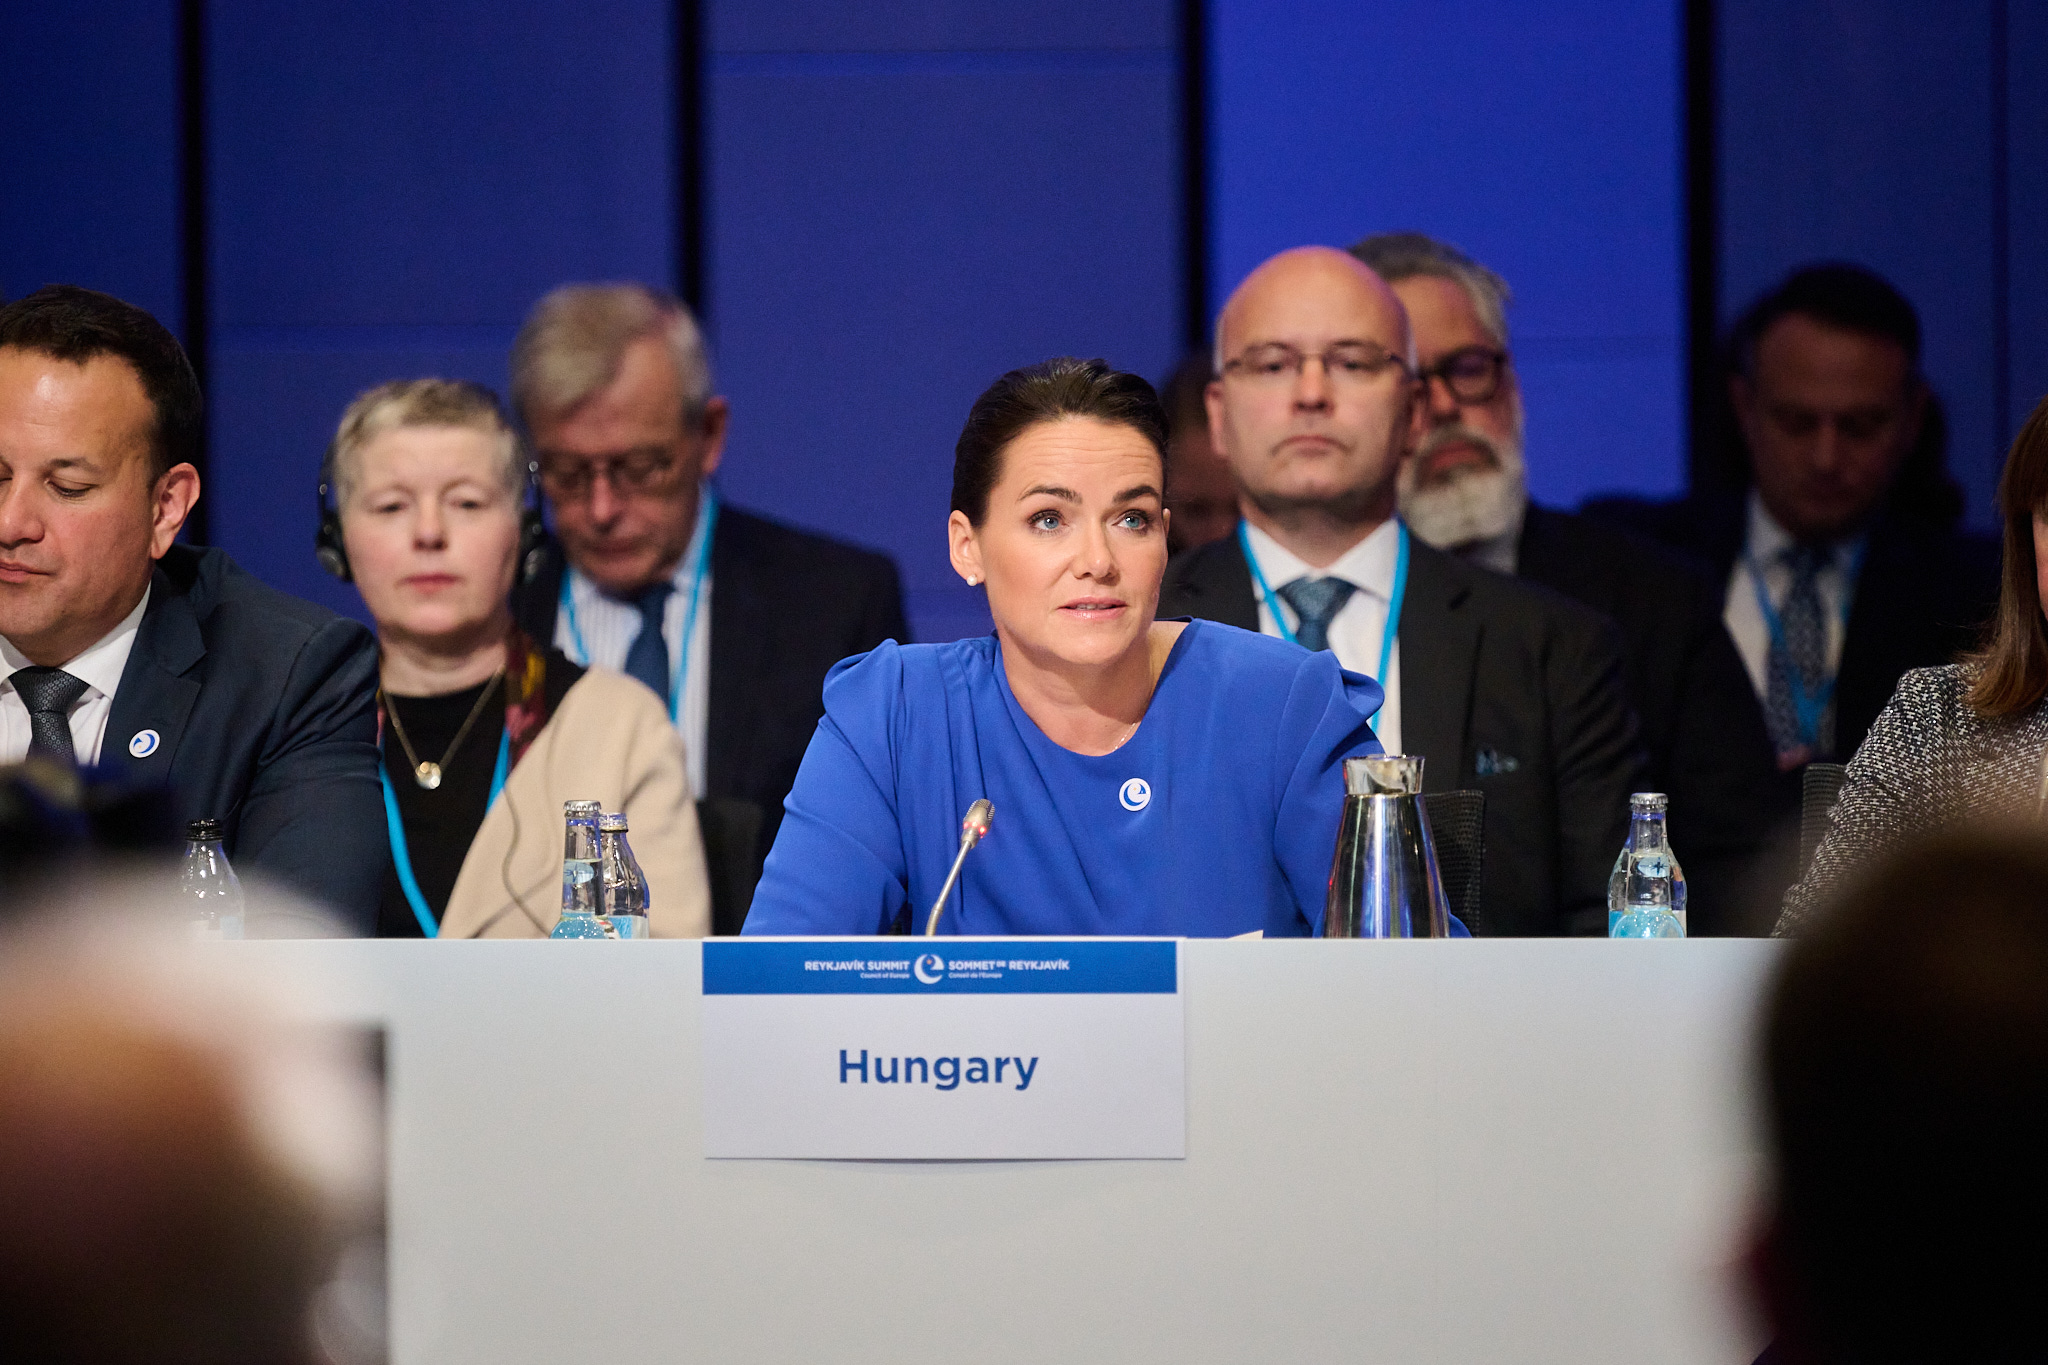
(582, 810)
(612, 822)
(1649, 803)
(202, 831)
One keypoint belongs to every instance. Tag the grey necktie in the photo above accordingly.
(49, 694)
(1799, 656)
(1316, 601)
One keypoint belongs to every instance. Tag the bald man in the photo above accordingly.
(1501, 686)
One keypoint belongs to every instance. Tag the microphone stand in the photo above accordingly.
(979, 817)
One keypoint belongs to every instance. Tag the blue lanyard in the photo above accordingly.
(1394, 601)
(1809, 707)
(401, 854)
(709, 516)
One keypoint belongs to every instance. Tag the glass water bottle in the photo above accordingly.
(211, 890)
(622, 886)
(1646, 893)
(580, 917)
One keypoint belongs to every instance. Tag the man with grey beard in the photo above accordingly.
(1463, 488)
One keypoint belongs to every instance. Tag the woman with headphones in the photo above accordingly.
(485, 733)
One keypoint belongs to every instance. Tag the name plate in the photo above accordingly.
(950, 1049)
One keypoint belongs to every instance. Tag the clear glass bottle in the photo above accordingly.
(208, 883)
(1646, 893)
(579, 874)
(622, 886)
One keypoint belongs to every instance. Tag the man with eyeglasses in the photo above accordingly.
(732, 619)
(1463, 490)
(1500, 686)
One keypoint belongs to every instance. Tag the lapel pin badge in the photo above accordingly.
(144, 743)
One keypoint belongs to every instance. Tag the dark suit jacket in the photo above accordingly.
(1702, 724)
(1922, 595)
(1507, 688)
(265, 711)
(786, 605)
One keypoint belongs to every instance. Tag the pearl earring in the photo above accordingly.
(973, 580)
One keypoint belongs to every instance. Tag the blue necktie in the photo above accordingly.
(647, 660)
(1800, 654)
(1316, 601)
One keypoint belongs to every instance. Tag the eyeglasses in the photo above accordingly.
(569, 478)
(1353, 362)
(1471, 373)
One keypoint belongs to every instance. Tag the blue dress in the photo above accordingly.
(1219, 816)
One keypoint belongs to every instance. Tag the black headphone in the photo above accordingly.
(332, 553)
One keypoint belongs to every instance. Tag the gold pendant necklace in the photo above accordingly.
(427, 774)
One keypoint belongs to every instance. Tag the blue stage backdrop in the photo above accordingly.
(1914, 140)
(392, 187)
(904, 203)
(89, 151)
(1544, 140)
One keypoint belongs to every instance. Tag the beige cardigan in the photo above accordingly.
(609, 741)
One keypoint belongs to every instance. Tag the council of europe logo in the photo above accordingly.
(929, 968)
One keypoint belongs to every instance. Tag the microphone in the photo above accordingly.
(2041, 799)
(973, 830)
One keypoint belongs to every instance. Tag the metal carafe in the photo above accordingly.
(1384, 881)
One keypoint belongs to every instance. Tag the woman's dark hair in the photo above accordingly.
(2010, 671)
(1047, 392)
(1851, 299)
(68, 323)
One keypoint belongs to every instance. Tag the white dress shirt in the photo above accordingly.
(1360, 625)
(98, 667)
(1765, 547)
(600, 630)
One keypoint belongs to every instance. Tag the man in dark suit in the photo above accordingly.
(1463, 489)
(164, 664)
(1829, 522)
(1500, 686)
(732, 619)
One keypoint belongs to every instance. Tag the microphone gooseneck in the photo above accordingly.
(972, 830)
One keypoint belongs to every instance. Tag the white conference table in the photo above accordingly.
(1492, 1151)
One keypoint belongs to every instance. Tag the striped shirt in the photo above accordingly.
(596, 629)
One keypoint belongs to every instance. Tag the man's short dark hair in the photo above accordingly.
(68, 323)
(1906, 1067)
(1841, 295)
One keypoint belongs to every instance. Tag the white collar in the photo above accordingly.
(1768, 541)
(100, 664)
(1367, 566)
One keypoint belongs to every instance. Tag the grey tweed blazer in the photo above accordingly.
(1930, 762)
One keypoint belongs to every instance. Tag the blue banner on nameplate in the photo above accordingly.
(954, 1049)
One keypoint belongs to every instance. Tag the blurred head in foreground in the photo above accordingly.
(177, 1167)
(1906, 1075)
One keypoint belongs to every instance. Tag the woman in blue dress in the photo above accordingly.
(1148, 777)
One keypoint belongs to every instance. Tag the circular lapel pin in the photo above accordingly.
(144, 743)
(1136, 794)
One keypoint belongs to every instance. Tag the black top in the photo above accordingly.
(440, 824)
